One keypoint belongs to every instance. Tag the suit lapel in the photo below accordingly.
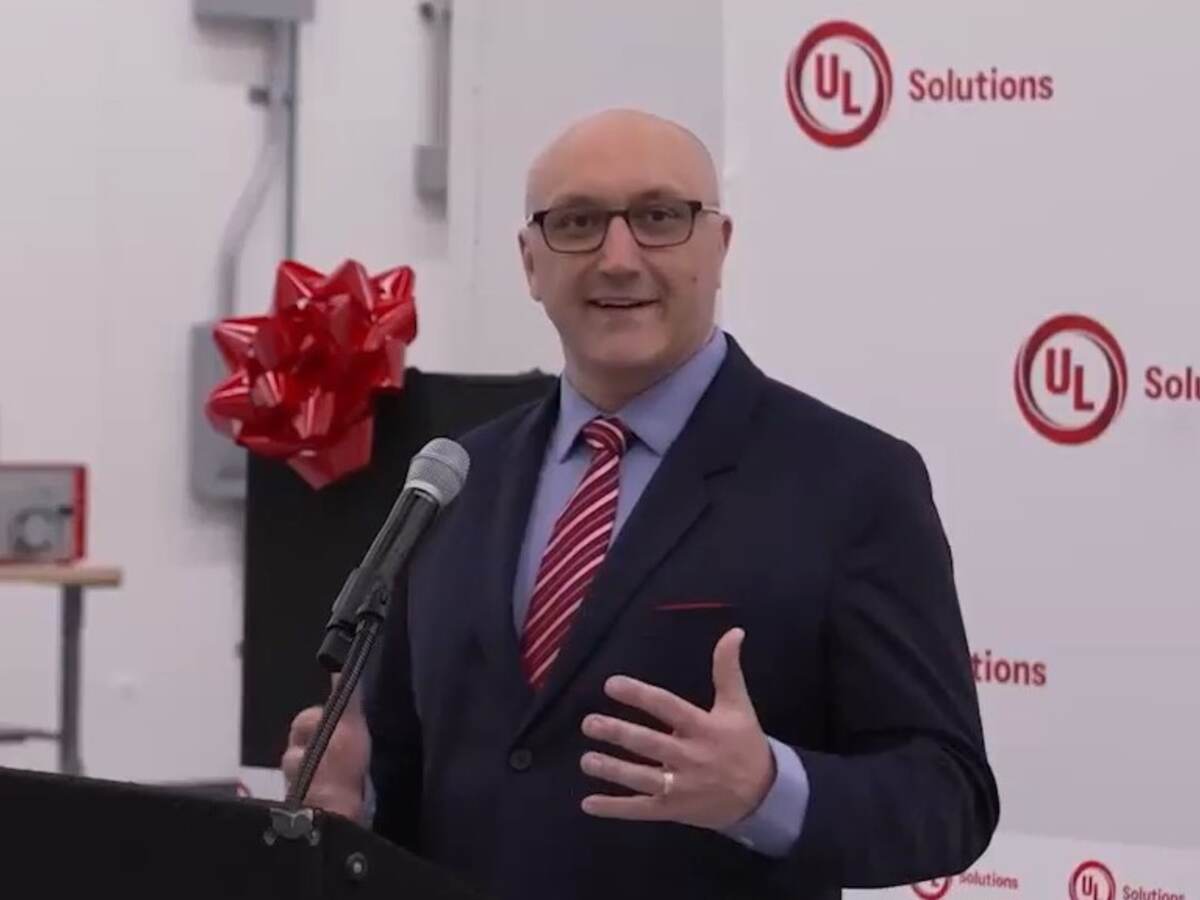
(676, 497)
(506, 516)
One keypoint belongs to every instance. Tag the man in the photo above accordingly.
(687, 632)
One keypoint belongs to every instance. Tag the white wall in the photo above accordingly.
(363, 71)
(134, 140)
(127, 139)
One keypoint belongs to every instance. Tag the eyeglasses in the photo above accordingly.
(580, 228)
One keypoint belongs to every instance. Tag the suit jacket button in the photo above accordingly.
(520, 759)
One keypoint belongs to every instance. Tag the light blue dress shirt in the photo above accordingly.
(655, 417)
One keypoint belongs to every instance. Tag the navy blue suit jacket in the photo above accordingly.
(815, 533)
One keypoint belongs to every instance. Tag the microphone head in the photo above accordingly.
(440, 470)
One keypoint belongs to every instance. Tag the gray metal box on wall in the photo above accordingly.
(217, 464)
(266, 10)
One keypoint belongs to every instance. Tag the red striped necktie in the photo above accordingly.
(575, 551)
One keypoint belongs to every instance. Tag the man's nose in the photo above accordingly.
(619, 254)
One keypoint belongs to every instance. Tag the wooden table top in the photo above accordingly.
(83, 574)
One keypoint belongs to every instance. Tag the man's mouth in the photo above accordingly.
(620, 302)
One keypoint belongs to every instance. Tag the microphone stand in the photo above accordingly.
(360, 610)
(294, 821)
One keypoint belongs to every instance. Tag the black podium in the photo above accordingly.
(65, 836)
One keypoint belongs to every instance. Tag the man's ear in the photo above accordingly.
(726, 240)
(527, 264)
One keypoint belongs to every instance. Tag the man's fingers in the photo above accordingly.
(304, 727)
(643, 809)
(338, 780)
(660, 703)
(643, 779)
(354, 709)
(335, 800)
(728, 680)
(290, 764)
(645, 742)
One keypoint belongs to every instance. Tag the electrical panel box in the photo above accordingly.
(261, 10)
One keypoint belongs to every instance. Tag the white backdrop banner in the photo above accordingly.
(974, 225)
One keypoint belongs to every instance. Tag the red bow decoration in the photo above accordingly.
(303, 377)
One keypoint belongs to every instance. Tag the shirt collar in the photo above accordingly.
(657, 415)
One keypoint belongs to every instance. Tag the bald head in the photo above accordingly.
(632, 295)
(591, 151)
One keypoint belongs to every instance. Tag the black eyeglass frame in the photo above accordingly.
(696, 207)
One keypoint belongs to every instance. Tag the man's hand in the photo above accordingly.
(341, 777)
(717, 765)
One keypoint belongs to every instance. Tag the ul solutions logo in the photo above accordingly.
(1093, 881)
(815, 78)
(839, 85)
(1071, 379)
(934, 889)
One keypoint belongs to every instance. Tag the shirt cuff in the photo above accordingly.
(775, 826)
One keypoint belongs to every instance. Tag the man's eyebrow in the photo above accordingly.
(582, 199)
(660, 193)
(576, 199)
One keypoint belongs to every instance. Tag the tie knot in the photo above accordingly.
(606, 434)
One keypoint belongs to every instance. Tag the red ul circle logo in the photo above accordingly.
(1052, 383)
(934, 889)
(1093, 881)
(828, 85)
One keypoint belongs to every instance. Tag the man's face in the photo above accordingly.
(624, 309)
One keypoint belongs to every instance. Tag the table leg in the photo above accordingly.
(68, 708)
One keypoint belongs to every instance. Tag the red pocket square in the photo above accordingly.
(683, 605)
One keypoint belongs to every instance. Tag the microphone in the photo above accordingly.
(435, 477)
